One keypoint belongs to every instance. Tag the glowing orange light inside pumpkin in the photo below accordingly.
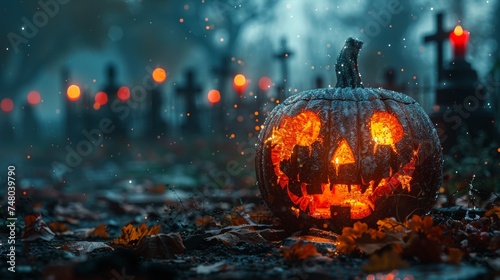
(73, 92)
(343, 155)
(385, 130)
(159, 75)
(123, 93)
(33, 97)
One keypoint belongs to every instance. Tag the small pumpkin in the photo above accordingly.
(330, 157)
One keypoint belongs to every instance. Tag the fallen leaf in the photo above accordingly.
(299, 251)
(454, 256)
(386, 260)
(238, 235)
(59, 228)
(162, 245)
(36, 228)
(85, 233)
(83, 247)
(495, 211)
(211, 268)
(100, 231)
(131, 236)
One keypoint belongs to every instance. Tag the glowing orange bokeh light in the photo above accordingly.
(240, 80)
(97, 106)
(73, 92)
(123, 93)
(101, 98)
(213, 96)
(7, 105)
(159, 75)
(265, 83)
(34, 97)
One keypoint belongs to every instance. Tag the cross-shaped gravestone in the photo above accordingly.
(190, 93)
(439, 37)
(283, 58)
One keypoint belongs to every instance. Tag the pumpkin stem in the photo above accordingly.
(347, 65)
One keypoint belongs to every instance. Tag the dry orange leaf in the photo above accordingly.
(454, 256)
(493, 211)
(36, 228)
(299, 251)
(131, 236)
(425, 227)
(100, 231)
(59, 227)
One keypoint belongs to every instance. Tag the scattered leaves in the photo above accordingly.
(36, 228)
(299, 251)
(131, 236)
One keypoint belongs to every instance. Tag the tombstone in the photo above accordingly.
(114, 108)
(439, 38)
(461, 100)
(318, 82)
(7, 127)
(283, 57)
(390, 83)
(157, 126)
(30, 126)
(190, 93)
(223, 72)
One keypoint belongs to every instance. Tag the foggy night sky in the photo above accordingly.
(86, 35)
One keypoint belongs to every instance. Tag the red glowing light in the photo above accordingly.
(97, 106)
(213, 96)
(265, 83)
(34, 97)
(101, 98)
(123, 93)
(459, 39)
(73, 92)
(7, 105)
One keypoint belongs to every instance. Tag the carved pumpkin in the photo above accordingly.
(330, 157)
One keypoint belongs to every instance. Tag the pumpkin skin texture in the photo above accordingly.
(330, 157)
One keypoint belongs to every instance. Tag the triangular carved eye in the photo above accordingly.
(386, 130)
(343, 155)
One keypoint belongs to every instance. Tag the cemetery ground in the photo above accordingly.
(190, 209)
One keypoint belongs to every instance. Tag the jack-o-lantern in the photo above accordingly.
(330, 157)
